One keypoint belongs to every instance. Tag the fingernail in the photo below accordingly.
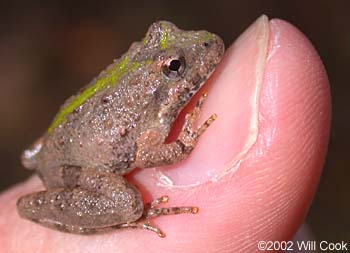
(233, 94)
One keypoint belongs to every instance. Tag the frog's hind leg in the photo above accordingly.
(151, 211)
(94, 200)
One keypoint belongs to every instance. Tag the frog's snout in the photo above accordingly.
(215, 45)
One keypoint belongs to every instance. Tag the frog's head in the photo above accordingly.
(185, 59)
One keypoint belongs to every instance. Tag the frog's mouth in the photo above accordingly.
(197, 85)
(184, 97)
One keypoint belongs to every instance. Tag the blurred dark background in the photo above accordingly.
(49, 49)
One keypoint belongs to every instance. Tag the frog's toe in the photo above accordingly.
(152, 211)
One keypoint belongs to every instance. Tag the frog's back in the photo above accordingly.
(100, 133)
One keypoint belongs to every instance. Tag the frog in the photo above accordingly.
(119, 122)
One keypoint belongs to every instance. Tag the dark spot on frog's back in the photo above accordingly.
(70, 175)
(61, 141)
(105, 99)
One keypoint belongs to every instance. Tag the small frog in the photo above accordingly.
(115, 124)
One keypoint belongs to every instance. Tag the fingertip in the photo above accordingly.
(284, 165)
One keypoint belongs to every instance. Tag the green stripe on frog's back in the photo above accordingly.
(165, 36)
(109, 79)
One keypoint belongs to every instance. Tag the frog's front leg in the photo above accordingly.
(151, 151)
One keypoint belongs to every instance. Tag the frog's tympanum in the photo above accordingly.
(116, 123)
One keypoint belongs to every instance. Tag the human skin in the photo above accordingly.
(253, 173)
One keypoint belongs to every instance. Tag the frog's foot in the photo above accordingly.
(151, 211)
(189, 134)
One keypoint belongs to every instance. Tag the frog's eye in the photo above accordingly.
(174, 67)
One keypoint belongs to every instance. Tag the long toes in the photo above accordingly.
(155, 212)
(206, 124)
(163, 199)
(153, 228)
